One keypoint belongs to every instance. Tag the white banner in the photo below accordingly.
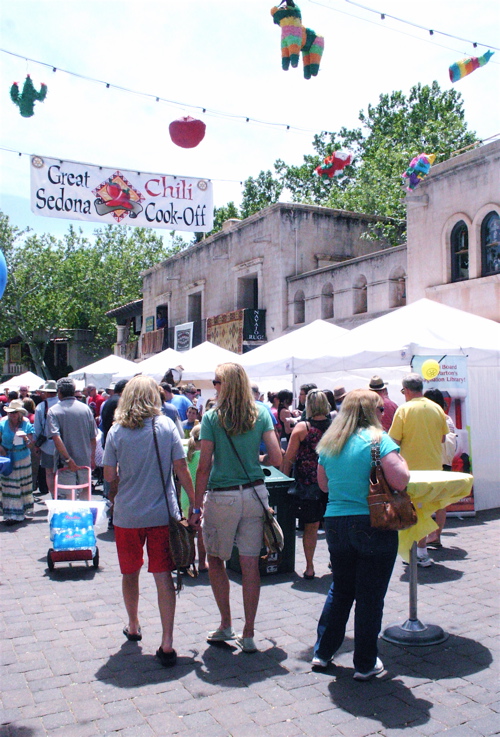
(183, 337)
(65, 189)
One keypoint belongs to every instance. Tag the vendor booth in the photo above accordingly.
(387, 346)
(101, 373)
(154, 366)
(29, 379)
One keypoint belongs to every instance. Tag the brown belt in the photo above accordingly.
(248, 485)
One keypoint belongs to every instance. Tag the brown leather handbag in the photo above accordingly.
(389, 509)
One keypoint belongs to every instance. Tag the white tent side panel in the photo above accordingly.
(484, 403)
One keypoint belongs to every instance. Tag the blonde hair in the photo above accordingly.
(139, 400)
(236, 406)
(194, 437)
(317, 403)
(358, 410)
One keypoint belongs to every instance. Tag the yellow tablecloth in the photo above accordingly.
(430, 491)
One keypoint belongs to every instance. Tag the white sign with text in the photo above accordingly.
(67, 189)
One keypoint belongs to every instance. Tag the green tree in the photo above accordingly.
(36, 299)
(259, 193)
(392, 132)
(71, 283)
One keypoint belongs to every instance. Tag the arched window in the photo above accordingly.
(490, 244)
(360, 301)
(327, 302)
(459, 242)
(397, 288)
(299, 308)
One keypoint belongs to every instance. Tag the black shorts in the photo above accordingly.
(310, 511)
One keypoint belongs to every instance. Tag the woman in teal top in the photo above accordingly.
(229, 484)
(16, 439)
(362, 558)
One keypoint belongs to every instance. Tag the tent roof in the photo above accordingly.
(421, 328)
(287, 354)
(101, 372)
(200, 361)
(29, 379)
(154, 366)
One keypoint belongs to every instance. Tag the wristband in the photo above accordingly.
(196, 510)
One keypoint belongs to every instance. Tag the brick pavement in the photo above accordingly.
(66, 669)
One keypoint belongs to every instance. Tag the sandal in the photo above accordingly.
(308, 576)
(166, 659)
(132, 636)
(436, 544)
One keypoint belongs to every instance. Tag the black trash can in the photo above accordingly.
(277, 485)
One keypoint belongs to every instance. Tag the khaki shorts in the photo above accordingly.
(234, 518)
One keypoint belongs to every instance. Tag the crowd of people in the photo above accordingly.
(140, 429)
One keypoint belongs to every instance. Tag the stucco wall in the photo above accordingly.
(278, 242)
(383, 271)
(466, 188)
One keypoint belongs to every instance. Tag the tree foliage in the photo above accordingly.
(71, 283)
(392, 132)
(260, 192)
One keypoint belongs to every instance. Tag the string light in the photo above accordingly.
(174, 103)
(415, 25)
(100, 167)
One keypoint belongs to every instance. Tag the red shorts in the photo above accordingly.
(130, 544)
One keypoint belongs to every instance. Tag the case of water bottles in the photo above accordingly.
(74, 524)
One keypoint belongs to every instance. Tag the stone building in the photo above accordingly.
(286, 265)
(290, 264)
(453, 220)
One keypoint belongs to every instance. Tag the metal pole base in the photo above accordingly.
(414, 632)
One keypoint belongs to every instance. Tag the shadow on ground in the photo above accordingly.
(130, 668)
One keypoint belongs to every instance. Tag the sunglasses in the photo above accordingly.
(403, 391)
(215, 382)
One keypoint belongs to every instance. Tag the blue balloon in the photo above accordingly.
(3, 274)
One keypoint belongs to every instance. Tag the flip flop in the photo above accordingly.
(133, 637)
(309, 576)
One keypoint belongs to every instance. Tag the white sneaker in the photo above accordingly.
(377, 668)
(425, 561)
(320, 663)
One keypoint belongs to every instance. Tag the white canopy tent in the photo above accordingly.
(101, 372)
(387, 345)
(199, 363)
(421, 328)
(29, 379)
(289, 353)
(154, 366)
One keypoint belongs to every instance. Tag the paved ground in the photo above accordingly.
(67, 670)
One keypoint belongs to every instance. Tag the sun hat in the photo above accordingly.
(16, 406)
(376, 384)
(339, 393)
(49, 386)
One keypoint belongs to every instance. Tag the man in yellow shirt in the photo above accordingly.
(419, 427)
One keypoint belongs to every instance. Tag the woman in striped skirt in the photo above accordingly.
(16, 439)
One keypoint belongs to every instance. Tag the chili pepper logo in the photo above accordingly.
(118, 196)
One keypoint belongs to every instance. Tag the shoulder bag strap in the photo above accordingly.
(375, 451)
(243, 467)
(170, 516)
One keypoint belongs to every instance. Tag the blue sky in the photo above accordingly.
(225, 56)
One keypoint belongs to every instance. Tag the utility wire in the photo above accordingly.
(101, 166)
(158, 98)
(384, 15)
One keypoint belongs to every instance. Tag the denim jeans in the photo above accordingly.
(362, 560)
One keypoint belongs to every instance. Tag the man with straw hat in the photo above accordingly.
(378, 385)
